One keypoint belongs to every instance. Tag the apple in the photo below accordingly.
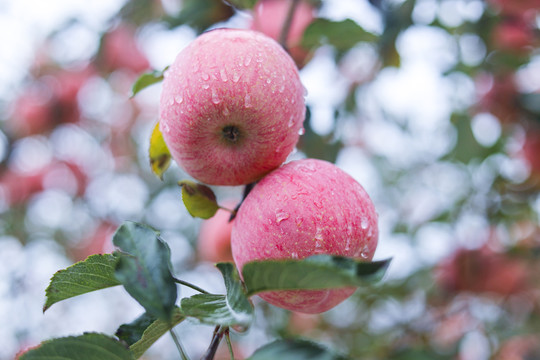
(32, 112)
(232, 107)
(482, 271)
(269, 17)
(520, 347)
(530, 151)
(214, 242)
(97, 242)
(121, 52)
(303, 208)
(514, 35)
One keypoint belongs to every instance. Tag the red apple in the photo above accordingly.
(520, 348)
(305, 207)
(514, 36)
(232, 107)
(531, 151)
(98, 242)
(214, 243)
(269, 17)
(33, 112)
(482, 271)
(121, 51)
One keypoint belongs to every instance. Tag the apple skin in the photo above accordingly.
(269, 17)
(232, 107)
(214, 242)
(304, 208)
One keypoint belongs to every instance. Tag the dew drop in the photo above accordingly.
(179, 99)
(364, 253)
(247, 60)
(171, 101)
(215, 98)
(293, 100)
(294, 255)
(205, 76)
(205, 86)
(223, 75)
(318, 236)
(348, 244)
(226, 111)
(281, 88)
(349, 229)
(364, 223)
(259, 58)
(302, 131)
(268, 81)
(291, 121)
(247, 101)
(305, 92)
(165, 127)
(281, 216)
(235, 77)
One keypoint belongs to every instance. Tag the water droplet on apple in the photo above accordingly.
(165, 127)
(268, 81)
(293, 100)
(223, 75)
(205, 86)
(259, 58)
(205, 76)
(348, 244)
(291, 121)
(281, 216)
(235, 77)
(305, 92)
(247, 60)
(171, 101)
(247, 101)
(215, 98)
(364, 223)
(294, 255)
(226, 111)
(281, 88)
(349, 229)
(179, 99)
(302, 131)
(364, 253)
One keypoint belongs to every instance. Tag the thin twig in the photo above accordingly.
(247, 190)
(212, 349)
(178, 345)
(229, 345)
(287, 24)
(194, 287)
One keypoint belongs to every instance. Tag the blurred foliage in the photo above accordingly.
(459, 210)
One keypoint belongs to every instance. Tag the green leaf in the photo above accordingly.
(90, 346)
(294, 350)
(133, 332)
(94, 273)
(200, 14)
(146, 80)
(160, 156)
(225, 310)
(242, 4)
(144, 268)
(312, 273)
(342, 35)
(199, 199)
(146, 330)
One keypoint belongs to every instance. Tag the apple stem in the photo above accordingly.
(287, 24)
(247, 190)
(229, 345)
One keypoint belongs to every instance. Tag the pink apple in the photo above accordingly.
(269, 17)
(214, 243)
(305, 207)
(33, 112)
(232, 107)
(121, 51)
